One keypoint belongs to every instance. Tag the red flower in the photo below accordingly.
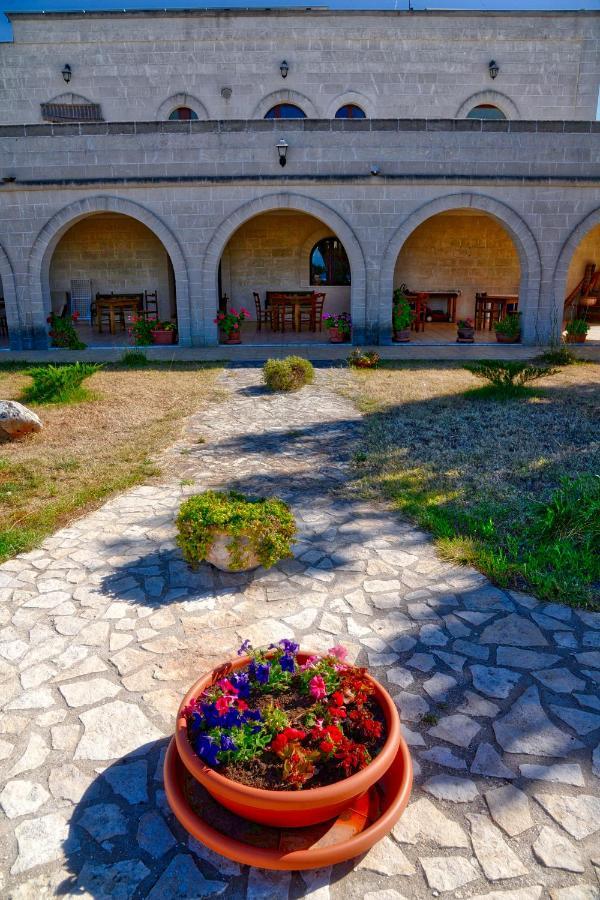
(279, 743)
(75, 316)
(222, 705)
(338, 698)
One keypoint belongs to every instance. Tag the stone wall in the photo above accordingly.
(459, 250)
(141, 65)
(271, 252)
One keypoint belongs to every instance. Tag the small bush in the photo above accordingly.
(134, 359)
(59, 384)
(508, 378)
(267, 523)
(560, 356)
(289, 374)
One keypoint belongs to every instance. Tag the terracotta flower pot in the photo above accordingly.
(337, 336)
(576, 338)
(508, 338)
(286, 808)
(234, 338)
(402, 336)
(220, 556)
(163, 337)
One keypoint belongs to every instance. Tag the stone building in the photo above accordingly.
(441, 150)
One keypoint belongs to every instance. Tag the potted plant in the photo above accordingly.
(339, 326)
(141, 329)
(163, 332)
(508, 329)
(323, 729)
(402, 317)
(230, 325)
(233, 532)
(361, 359)
(62, 331)
(577, 330)
(465, 331)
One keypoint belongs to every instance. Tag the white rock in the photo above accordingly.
(576, 892)
(34, 756)
(493, 853)
(488, 762)
(474, 705)
(266, 885)
(19, 798)
(110, 882)
(84, 693)
(412, 707)
(580, 816)
(68, 783)
(457, 729)
(449, 787)
(386, 858)
(514, 630)
(443, 756)
(565, 773)
(17, 421)
(439, 686)
(560, 680)
(114, 730)
(527, 729)
(509, 808)
(447, 873)
(422, 821)
(494, 681)
(555, 851)
(399, 676)
(42, 840)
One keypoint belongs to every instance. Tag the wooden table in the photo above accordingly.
(449, 297)
(491, 308)
(279, 301)
(118, 303)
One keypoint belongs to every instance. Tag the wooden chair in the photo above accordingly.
(282, 312)
(151, 303)
(262, 315)
(418, 303)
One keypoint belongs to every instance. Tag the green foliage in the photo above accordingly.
(577, 326)
(274, 718)
(363, 359)
(134, 359)
(250, 740)
(266, 523)
(63, 334)
(510, 325)
(560, 356)
(572, 513)
(141, 330)
(59, 384)
(289, 374)
(402, 314)
(508, 378)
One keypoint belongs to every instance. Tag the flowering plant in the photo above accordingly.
(341, 321)
(231, 321)
(363, 359)
(62, 331)
(465, 323)
(163, 326)
(141, 330)
(279, 724)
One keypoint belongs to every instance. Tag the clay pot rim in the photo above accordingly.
(242, 793)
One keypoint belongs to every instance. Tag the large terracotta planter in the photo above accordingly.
(286, 808)
(336, 336)
(576, 338)
(163, 337)
(508, 338)
(401, 336)
(220, 556)
(234, 338)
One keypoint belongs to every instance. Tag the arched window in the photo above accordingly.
(329, 264)
(350, 111)
(183, 114)
(285, 111)
(485, 111)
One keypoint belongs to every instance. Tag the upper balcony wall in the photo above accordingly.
(420, 64)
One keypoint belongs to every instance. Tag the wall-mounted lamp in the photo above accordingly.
(284, 69)
(9, 179)
(226, 93)
(67, 73)
(282, 149)
(493, 68)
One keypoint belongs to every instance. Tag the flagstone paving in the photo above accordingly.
(104, 627)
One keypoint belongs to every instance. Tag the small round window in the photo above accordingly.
(486, 111)
(285, 111)
(183, 114)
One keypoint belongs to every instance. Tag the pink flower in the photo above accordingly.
(226, 686)
(317, 687)
(338, 651)
(222, 705)
(309, 663)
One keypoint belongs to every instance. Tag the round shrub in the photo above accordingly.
(263, 525)
(289, 374)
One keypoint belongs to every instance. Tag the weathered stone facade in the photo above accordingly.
(195, 183)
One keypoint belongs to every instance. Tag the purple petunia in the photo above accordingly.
(245, 648)
(289, 647)
(227, 743)
(263, 670)
(241, 683)
(208, 749)
(287, 663)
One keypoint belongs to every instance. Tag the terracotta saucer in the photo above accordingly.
(354, 832)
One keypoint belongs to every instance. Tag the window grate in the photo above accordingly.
(72, 112)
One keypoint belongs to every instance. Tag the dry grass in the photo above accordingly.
(476, 471)
(89, 450)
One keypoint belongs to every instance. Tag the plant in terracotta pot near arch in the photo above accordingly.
(508, 329)
(402, 317)
(230, 325)
(163, 332)
(577, 331)
(339, 326)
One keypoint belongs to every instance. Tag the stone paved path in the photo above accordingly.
(103, 628)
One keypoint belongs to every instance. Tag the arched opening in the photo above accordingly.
(350, 111)
(113, 274)
(582, 288)
(458, 264)
(285, 111)
(486, 111)
(182, 114)
(284, 266)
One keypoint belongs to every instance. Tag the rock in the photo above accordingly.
(65, 737)
(412, 738)
(555, 851)
(432, 636)
(527, 729)
(68, 783)
(42, 840)
(6, 749)
(580, 721)
(412, 707)
(386, 858)
(560, 680)
(596, 761)
(265, 885)
(452, 660)
(488, 762)
(16, 421)
(84, 693)
(469, 648)
(129, 780)
(389, 894)
(114, 730)
(528, 893)
(422, 661)
(447, 873)
(439, 686)
(111, 882)
(567, 773)
(580, 816)
(576, 892)
(449, 787)
(493, 681)
(457, 729)
(399, 676)
(221, 864)
(515, 630)
(422, 821)
(474, 705)
(182, 878)
(34, 756)
(443, 756)
(493, 853)
(19, 798)
(153, 836)
(509, 808)
(317, 883)
(103, 821)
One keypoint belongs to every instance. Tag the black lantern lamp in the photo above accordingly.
(282, 149)
(493, 68)
(66, 73)
(284, 69)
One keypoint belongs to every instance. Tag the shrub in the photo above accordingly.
(59, 384)
(510, 325)
(134, 359)
(577, 326)
(62, 332)
(289, 374)
(267, 523)
(560, 356)
(508, 378)
(402, 313)
(363, 359)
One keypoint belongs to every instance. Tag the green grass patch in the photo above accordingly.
(59, 384)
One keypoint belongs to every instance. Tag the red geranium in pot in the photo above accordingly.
(230, 324)
(163, 332)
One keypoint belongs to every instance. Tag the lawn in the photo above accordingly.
(509, 487)
(90, 449)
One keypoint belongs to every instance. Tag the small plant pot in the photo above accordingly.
(163, 337)
(337, 336)
(402, 336)
(508, 338)
(465, 335)
(219, 554)
(364, 364)
(233, 338)
(286, 808)
(576, 338)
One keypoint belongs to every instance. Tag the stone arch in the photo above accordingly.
(559, 278)
(171, 103)
(295, 97)
(519, 231)
(16, 328)
(49, 236)
(350, 97)
(494, 98)
(203, 318)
